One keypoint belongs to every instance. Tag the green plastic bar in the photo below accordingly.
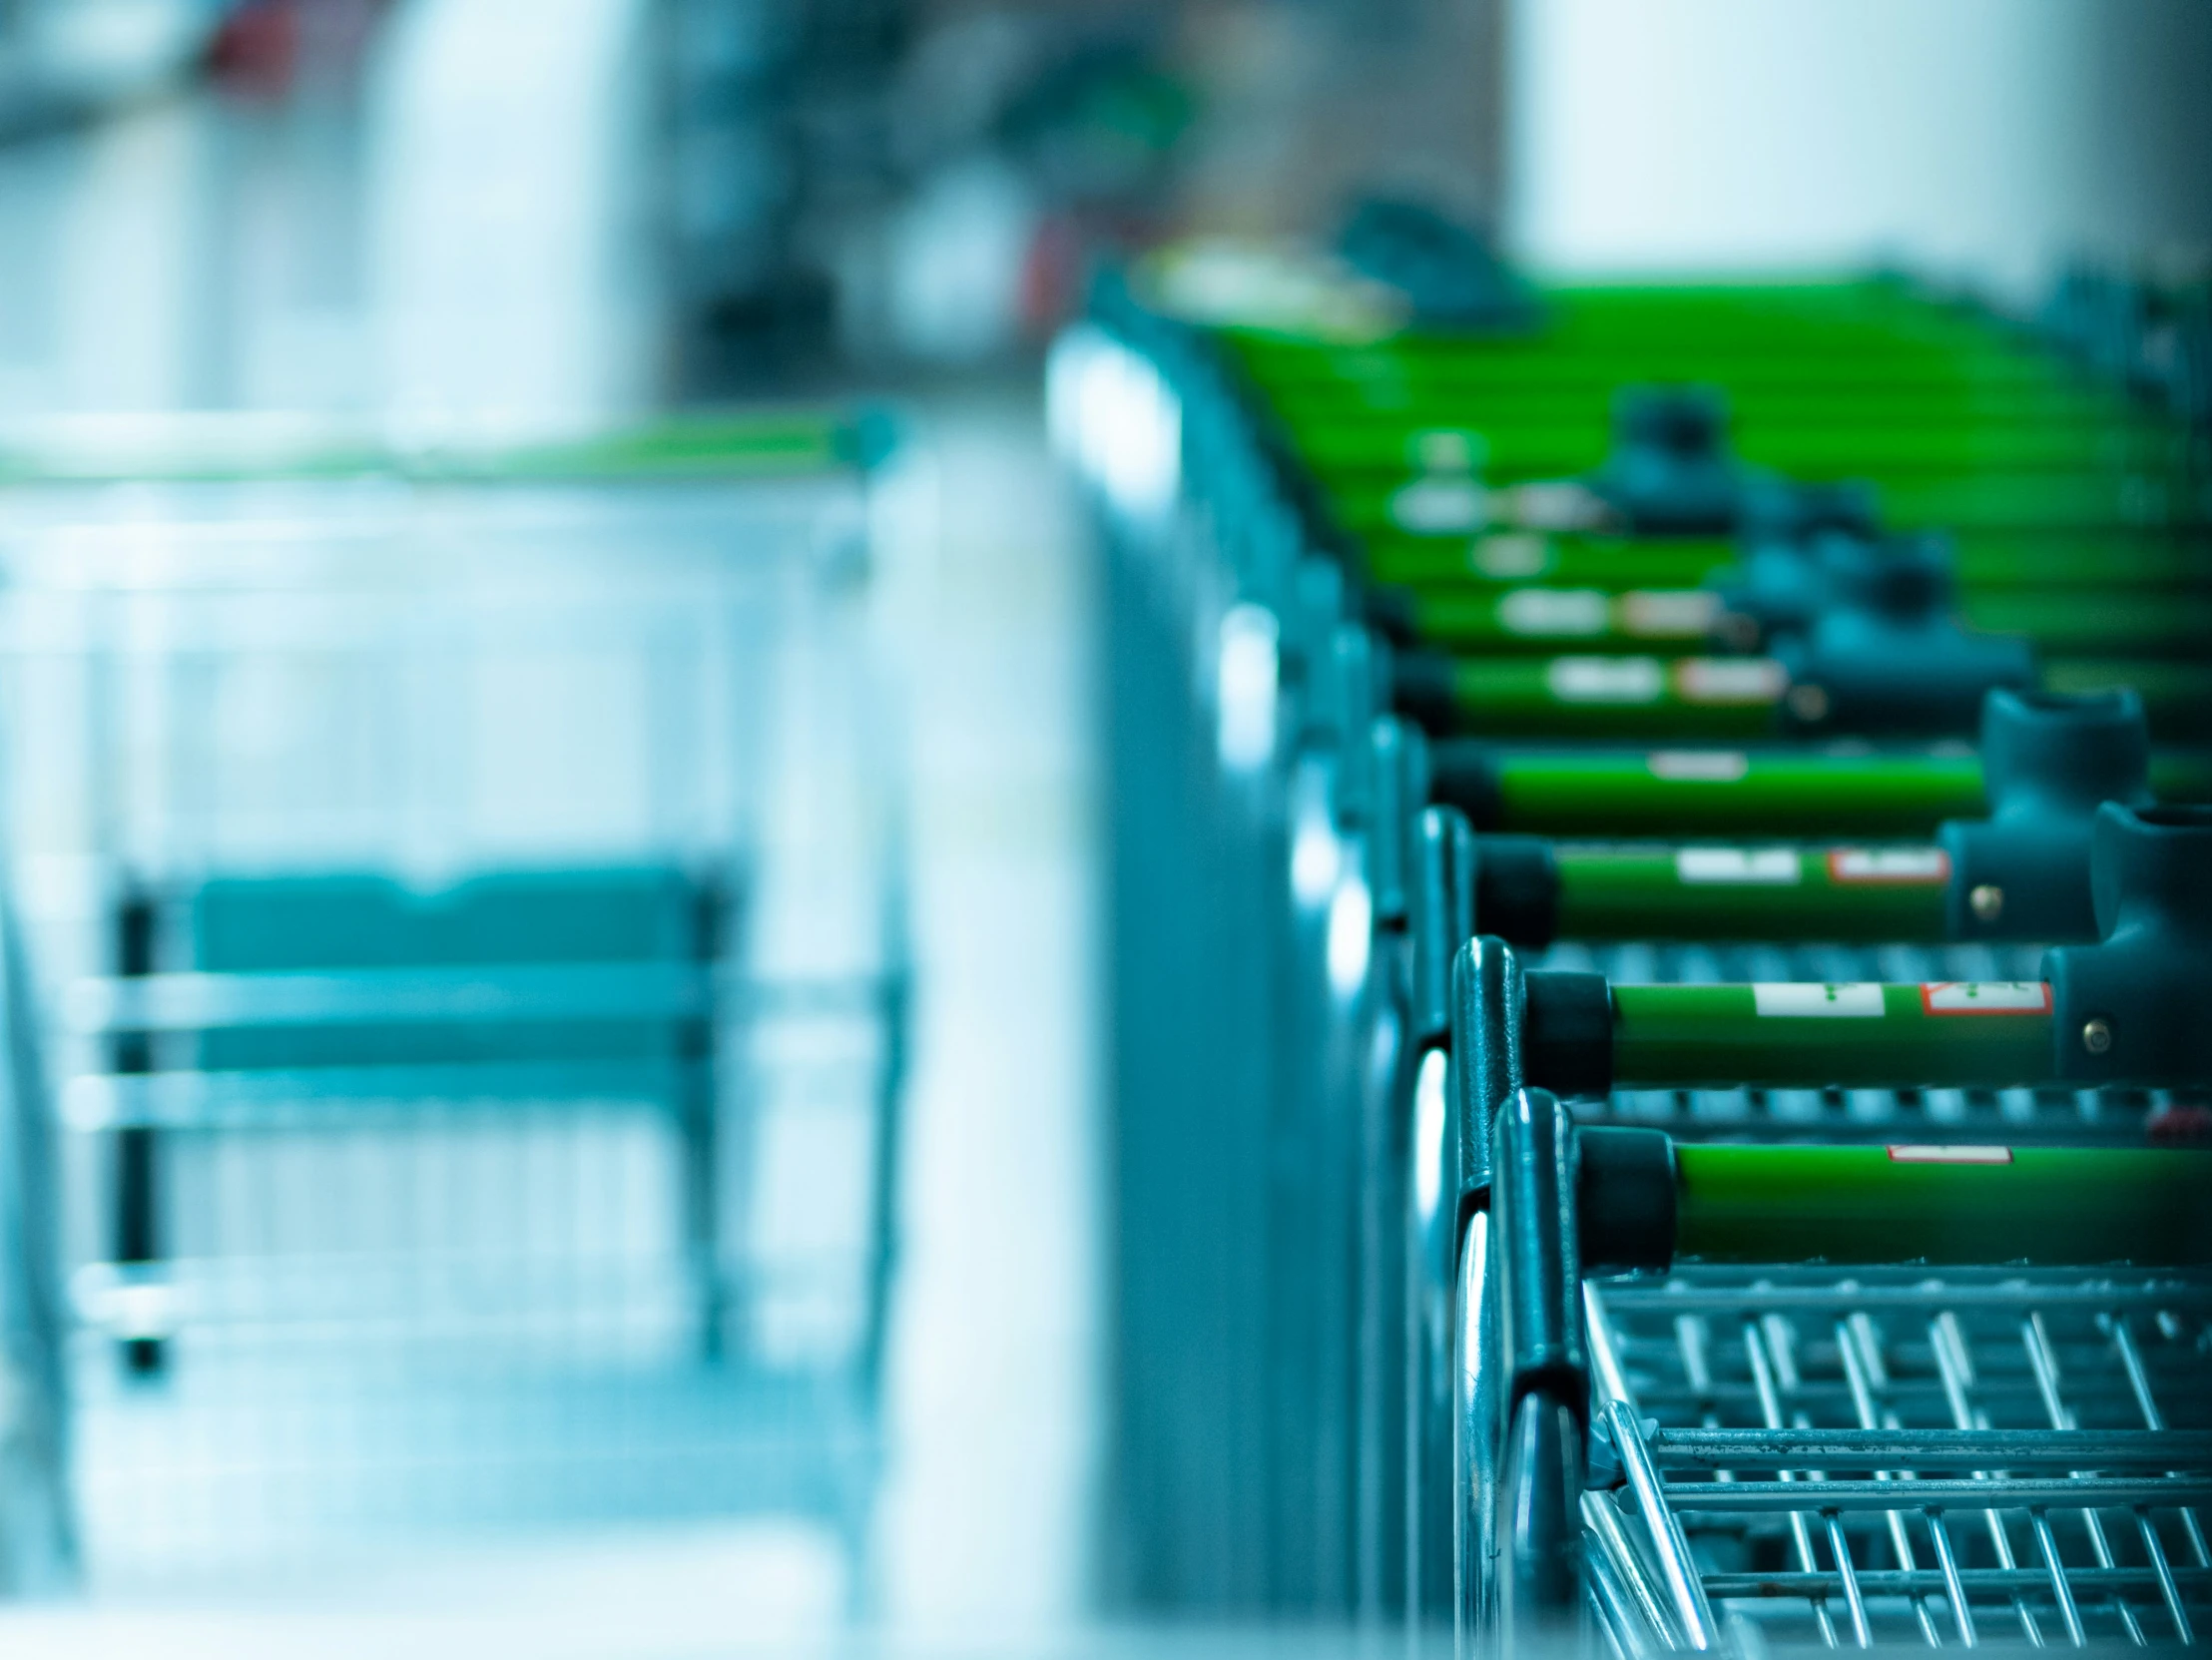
(2177, 695)
(1810, 1037)
(2065, 1206)
(1995, 564)
(2096, 620)
(1598, 694)
(2181, 774)
(1601, 697)
(1706, 892)
(1863, 438)
(1774, 792)
(2011, 501)
(1511, 558)
(1532, 619)
(1733, 791)
(1878, 449)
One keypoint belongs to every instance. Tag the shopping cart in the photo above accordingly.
(1601, 606)
(1938, 1376)
(466, 890)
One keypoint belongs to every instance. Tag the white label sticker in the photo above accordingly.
(1737, 866)
(1698, 765)
(1985, 997)
(1605, 679)
(1904, 866)
(1729, 679)
(1798, 999)
(1441, 506)
(1518, 555)
(1669, 614)
(1549, 612)
(1951, 1155)
(1560, 504)
(1448, 449)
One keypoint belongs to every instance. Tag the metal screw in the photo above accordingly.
(1809, 702)
(1987, 901)
(2096, 1036)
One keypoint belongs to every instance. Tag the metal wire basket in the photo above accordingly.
(1900, 1456)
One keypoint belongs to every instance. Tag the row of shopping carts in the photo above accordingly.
(1660, 1037)
(454, 989)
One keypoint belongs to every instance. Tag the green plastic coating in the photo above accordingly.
(1689, 792)
(1524, 618)
(1994, 566)
(1820, 892)
(2059, 1206)
(1811, 1036)
(1597, 696)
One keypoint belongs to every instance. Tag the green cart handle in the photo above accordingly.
(1531, 891)
(1645, 1201)
(1771, 790)
(1582, 1036)
(2128, 1009)
(1694, 699)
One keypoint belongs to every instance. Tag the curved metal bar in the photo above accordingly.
(1540, 1575)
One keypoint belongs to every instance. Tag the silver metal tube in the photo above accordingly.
(1603, 1519)
(2011, 1493)
(1673, 1550)
(1476, 1427)
(1694, 1448)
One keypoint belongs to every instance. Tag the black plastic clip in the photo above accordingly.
(2048, 761)
(2137, 1007)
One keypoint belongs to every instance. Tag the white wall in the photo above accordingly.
(1988, 137)
(510, 260)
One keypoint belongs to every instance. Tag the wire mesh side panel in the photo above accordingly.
(469, 920)
(1902, 1456)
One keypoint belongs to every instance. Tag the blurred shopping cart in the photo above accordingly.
(466, 896)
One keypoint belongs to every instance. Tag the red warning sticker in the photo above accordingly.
(1985, 997)
(1951, 1155)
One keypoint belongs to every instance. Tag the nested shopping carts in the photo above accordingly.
(1728, 657)
(462, 892)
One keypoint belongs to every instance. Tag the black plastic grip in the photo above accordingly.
(1424, 688)
(1516, 889)
(1566, 1041)
(1462, 773)
(1624, 1198)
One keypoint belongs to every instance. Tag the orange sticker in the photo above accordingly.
(1985, 997)
(1888, 867)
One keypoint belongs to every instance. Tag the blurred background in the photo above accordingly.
(677, 857)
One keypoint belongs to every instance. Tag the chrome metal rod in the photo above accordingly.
(2005, 1493)
(1924, 1450)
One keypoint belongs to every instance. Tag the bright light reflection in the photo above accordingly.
(1245, 698)
(1429, 1131)
(1130, 431)
(1315, 860)
(1350, 936)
